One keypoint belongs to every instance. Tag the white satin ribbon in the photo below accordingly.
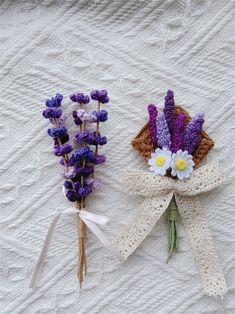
(91, 220)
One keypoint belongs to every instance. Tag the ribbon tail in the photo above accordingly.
(46, 244)
(103, 239)
(200, 238)
(137, 230)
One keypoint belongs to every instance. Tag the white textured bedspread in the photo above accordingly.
(137, 50)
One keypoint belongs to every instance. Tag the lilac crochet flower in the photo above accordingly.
(77, 120)
(93, 182)
(101, 96)
(152, 109)
(101, 115)
(80, 98)
(63, 150)
(54, 101)
(52, 113)
(68, 173)
(100, 159)
(192, 133)
(178, 133)
(57, 132)
(163, 134)
(169, 109)
(85, 116)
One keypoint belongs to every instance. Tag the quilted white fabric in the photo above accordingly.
(136, 50)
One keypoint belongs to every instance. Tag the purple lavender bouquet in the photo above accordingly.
(78, 160)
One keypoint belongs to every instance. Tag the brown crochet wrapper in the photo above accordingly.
(143, 141)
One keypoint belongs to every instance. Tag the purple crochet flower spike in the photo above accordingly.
(163, 134)
(169, 109)
(192, 133)
(152, 109)
(178, 133)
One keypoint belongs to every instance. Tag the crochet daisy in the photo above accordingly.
(160, 161)
(182, 164)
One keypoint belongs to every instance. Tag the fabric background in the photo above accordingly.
(136, 50)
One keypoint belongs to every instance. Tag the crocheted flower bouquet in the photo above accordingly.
(78, 169)
(174, 144)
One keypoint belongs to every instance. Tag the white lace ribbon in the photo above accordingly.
(158, 192)
(91, 220)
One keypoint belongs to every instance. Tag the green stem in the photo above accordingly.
(172, 219)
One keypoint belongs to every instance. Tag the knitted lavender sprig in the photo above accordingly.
(178, 133)
(152, 109)
(169, 109)
(163, 134)
(192, 133)
(84, 160)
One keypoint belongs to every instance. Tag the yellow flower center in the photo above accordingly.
(181, 164)
(160, 161)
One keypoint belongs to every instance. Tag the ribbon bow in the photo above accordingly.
(158, 192)
(91, 220)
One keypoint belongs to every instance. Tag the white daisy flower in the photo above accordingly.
(182, 164)
(160, 161)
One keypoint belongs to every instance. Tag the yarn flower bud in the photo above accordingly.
(163, 134)
(101, 96)
(54, 101)
(178, 133)
(192, 134)
(169, 109)
(100, 159)
(52, 113)
(57, 132)
(80, 98)
(83, 153)
(101, 115)
(152, 109)
(68, 173)
(62, 150)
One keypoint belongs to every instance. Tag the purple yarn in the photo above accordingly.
(100, 159)
(101, 115)
(62, 150)
(152, 109)
(101, 96)
(54, 101)
(71, 196)
(90, 138)
(163, 134)
(192, 133)
(80, 98)
(169, 109)
(52, 113)
(84, 191)
(68, 185)
(57, 132)
(178, 133)
(86, 171)
(83, 153)
(68, 173)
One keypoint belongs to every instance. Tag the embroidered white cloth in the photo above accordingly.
(158, 191)
(136, 49)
